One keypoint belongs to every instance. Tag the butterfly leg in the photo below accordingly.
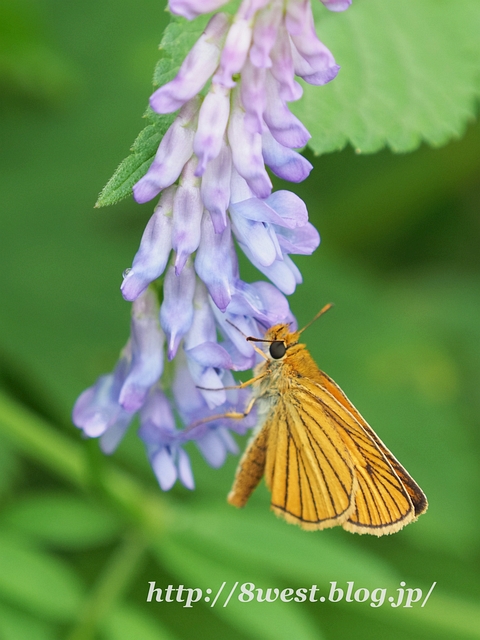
(242, 385)
(234, 415)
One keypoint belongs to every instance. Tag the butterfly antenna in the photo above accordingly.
(235, 327)
(320, 313)
(251, 339)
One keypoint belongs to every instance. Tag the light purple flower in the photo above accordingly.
(176, 313)
(157, 429)
(97, 408)
(146, 364)
(152, 257)
(212, 123)
(175, 150)
(216, 262)
(215, 189)
(187, 216)
(196, 69)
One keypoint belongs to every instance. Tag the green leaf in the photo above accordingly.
(409, 73)
(127, 622)
(38, 582)
(16, 625)
(275, 620)
(62, 520)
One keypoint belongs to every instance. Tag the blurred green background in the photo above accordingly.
(81, 535)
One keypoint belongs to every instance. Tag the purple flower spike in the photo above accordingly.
(216, 263)
(284, 162)
(176, 313)
(232, 91)
(187, 216)
(212, 122)
(234, 53)
(337, 5)
(151, 258)
(196, 69)
(174, 151)
(191, 9)
(147, 353)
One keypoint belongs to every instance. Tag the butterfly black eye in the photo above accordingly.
(277, 350)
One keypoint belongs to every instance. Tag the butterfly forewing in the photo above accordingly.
(308, 468)
(382, 503)
(417, 496)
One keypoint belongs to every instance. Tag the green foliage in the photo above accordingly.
(62, 520)
(81, 535)
(409, 74)
(18, 625)
(41, 583)
(30, 67)
(126, 622)
(193, 566)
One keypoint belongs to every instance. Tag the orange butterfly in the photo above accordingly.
(322, 462)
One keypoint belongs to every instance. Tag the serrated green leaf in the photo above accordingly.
(62, 520)
(275, 620)
(37, 582)
(409, 73)
(16, 625)
(127, 622)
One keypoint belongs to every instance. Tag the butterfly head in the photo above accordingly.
(277, 340)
